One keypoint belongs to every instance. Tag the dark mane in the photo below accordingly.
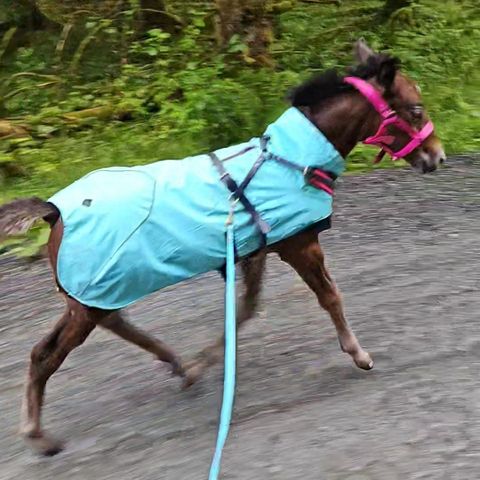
(322, 87)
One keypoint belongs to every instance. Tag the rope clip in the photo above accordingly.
(233, 204)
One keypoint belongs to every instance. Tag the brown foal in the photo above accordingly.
(345, 117)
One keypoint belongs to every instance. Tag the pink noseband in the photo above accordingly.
(384, 138)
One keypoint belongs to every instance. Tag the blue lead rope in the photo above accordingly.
(230, 354)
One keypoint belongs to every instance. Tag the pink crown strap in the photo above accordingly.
(371, 94)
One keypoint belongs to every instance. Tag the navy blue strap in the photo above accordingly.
(258, 163)
(314, 176)
(241, 152)
(238, 193)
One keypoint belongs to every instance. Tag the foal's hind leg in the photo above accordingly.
(121, 327)
(46, 357)
(253, 268)
(305, 255)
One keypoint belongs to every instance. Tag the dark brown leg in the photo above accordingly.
(46, 357)
(253, 268)
(305, 255)
(121, 327)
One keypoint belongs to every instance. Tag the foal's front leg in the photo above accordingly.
(304, 254)
(253, 268)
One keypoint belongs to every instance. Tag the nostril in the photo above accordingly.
(442, 160)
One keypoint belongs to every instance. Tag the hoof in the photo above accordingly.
(177, 368)
(192, 375)
(363, 360)
(48, 447)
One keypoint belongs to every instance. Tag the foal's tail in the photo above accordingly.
(18, 216)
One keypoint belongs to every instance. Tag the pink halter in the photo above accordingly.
(384, 138)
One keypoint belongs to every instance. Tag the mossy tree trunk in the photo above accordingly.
(251, 20)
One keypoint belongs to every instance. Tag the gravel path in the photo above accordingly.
(405, 250)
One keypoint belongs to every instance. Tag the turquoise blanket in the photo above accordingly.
(129, 232)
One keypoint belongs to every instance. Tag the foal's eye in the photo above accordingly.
(416, 111)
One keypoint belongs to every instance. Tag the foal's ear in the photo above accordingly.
(362, 51)
(387, 71)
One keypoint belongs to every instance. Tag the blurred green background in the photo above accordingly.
(86, 83)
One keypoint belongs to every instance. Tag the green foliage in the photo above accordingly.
(11, 11)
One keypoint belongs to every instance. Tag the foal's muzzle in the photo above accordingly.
(427, 158)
